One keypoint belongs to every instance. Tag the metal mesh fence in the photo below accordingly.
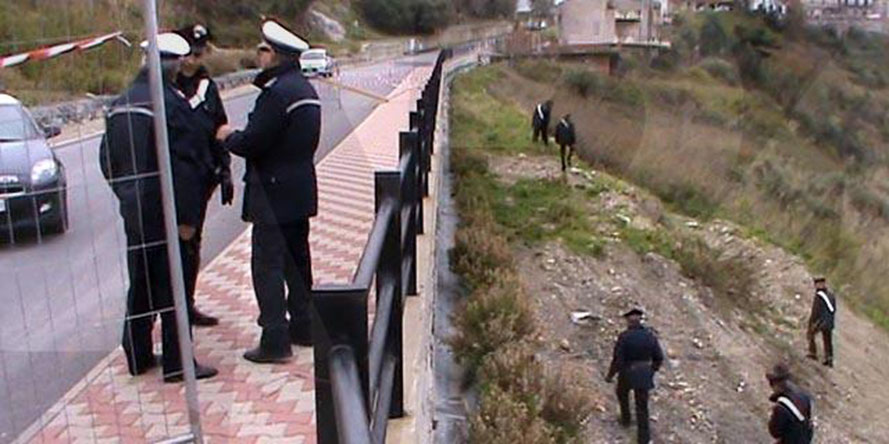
(84, 258)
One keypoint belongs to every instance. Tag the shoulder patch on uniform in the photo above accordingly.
(116, 111)
(304, 102)
(790, 406)
(200, 96)
(826, 299)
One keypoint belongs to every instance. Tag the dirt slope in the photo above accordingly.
(712, 390)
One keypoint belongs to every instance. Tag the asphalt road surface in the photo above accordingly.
(62, 297)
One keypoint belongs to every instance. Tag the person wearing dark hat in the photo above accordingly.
(540, 121)
(205, 102)
(128, 160)
(822, 320)
(566, 138)
(637, 357)
(791, 420)
(280, 194)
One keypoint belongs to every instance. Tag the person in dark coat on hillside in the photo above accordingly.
(280, 194)
(791, 420)
(637, 357)
(822, 320)
(566, 138)
(540, 121)
(205, 102)
(128, 160)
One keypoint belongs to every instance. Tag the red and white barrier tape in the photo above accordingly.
(57, 50)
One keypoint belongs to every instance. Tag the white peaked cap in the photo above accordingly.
(282, 39)
(170, 44)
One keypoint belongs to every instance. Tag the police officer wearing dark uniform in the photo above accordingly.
(280, 195)
(791, 420)
(540, 121)
(128, 160)
(566, 138)
(203, 98)
(637, 356)
(822, 319)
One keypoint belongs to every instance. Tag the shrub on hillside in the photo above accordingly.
(479, 254)
(589, 84)
(516, 369)
(492, 317)
(539, 70)
(407, 16)
(485, 8)
(714, 38)
(721, 69)
(503, 419)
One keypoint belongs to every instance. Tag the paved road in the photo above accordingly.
(62, 296)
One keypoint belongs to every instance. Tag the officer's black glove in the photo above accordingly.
(227, 188)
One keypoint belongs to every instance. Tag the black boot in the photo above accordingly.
(201, 319)
(301, 334)
(200, 372)
(261, 356)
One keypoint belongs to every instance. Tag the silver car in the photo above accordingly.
(33, 191)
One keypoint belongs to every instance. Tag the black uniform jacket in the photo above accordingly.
(565, 133)
(279, 144)
(637, 356)
(128, 160)
(791, 421)
(824, 308)
(541, 116)
(203, 98)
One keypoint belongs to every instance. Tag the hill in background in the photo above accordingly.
(26, 25)
(782, 131)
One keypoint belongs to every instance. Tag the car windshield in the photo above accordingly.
(16, 124)
(313, 55)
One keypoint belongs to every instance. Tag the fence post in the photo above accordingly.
(412, 200)
(339, 317)
(388, 186)
(169, 205)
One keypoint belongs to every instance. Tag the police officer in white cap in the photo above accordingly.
(280, 194)
(129, 163)
(206, 104)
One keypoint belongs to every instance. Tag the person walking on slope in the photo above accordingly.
(822, 319)
(637, 357)
(566, 138)
(540, 121)
(791, 420)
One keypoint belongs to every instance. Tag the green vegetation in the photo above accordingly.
(520, 400)
(27, 25)
(780, 130)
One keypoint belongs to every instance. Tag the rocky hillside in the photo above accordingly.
(725, 303)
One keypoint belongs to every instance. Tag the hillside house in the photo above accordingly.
(609, 22)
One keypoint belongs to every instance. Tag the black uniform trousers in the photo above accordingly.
(540, 132)
(826, 336)
(566, 151)
(281, 256)
(640, 396)
(150, 291)
(191, 252)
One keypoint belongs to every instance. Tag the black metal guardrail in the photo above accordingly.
(359, 375)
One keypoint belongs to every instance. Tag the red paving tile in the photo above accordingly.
(246, 403)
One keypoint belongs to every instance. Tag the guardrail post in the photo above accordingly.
(414, 202)
(339, 317)
(388, 186)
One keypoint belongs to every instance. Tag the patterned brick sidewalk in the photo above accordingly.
(246, 402)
